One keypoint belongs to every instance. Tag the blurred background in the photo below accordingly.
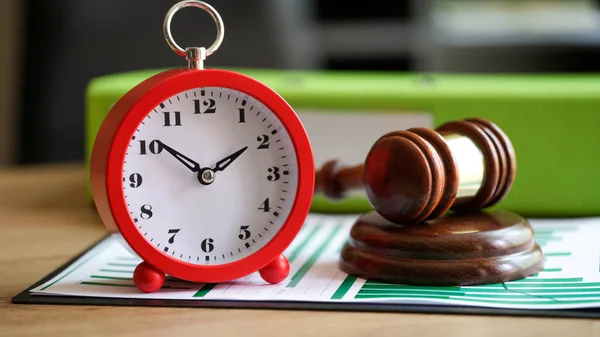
(51, 49)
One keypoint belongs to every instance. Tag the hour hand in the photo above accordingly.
(189, 163)
(223, 163)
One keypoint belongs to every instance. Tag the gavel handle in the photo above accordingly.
(334, 180)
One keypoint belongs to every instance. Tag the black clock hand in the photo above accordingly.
(192, 165)
(223, 163)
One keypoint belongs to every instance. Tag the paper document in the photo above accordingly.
(570, 279)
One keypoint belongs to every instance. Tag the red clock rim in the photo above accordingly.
(155, 94)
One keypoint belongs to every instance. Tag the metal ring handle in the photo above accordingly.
(193, 3)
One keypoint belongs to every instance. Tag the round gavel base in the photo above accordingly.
(454, 250)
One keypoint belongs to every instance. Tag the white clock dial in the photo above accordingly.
(210, 176)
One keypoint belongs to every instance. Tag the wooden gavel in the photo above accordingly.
(418, 174)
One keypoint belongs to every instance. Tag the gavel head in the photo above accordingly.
(419, 174)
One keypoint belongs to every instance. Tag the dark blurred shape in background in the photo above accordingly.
(53, 48)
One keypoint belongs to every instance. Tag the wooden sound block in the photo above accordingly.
(459, 249)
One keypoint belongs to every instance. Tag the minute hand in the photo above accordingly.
(223, 163)
(189, 163)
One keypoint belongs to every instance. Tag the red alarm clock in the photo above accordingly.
(207, 174)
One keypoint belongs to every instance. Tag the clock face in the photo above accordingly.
(210, 176)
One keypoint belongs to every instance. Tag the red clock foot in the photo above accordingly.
(276, 271)
(147, 278)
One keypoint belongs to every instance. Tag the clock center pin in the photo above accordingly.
(206, 176)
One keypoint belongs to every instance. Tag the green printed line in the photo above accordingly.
(532, 285)
(558, 254)
(423, 291)
(128, 258)
(593, 290)
(294, 254)
(127, 285)
(552, 235)
(344, 287)
(576, 281)
(386, 293)
(426, 290)
(108, 284)
(532, 301)
(584, 296)
(546, 235)
(117, 271)
(555, 230)
(369, 284)
(361, 296)
(117, 264)
(499, 296)
(548, 280)
(112, 277)
(529, 300)
(311, 261)
(551, 270)
(205, 289)
(81, 263)
(492, 288)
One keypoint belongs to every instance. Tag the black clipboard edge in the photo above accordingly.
(25, 297)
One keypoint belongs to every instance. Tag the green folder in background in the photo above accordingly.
(552, 120)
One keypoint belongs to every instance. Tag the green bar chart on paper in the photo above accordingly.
(570, 279)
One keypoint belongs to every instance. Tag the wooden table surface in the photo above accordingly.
(45, 220)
